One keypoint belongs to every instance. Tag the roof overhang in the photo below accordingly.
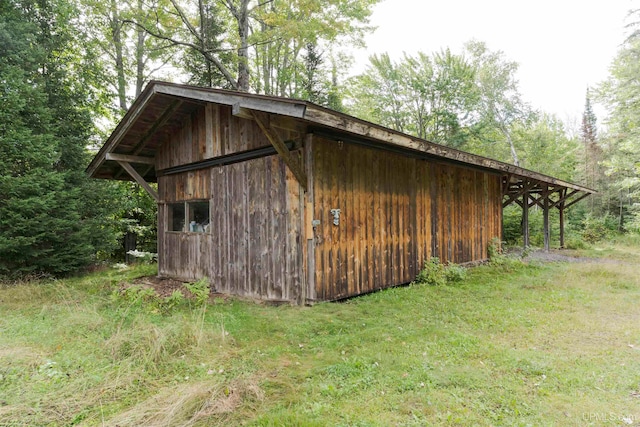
(162, 107)
(159, 111)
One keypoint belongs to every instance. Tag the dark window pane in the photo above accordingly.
(199, 217)
(176, 217)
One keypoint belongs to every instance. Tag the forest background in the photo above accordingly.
(69, 71)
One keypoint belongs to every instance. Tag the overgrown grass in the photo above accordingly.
(621, 247)
(555, 344)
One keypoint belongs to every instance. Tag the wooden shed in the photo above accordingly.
(284, 200)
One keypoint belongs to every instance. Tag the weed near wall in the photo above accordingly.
(438, 274)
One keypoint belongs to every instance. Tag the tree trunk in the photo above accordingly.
(116, 33)
(242, 16)
(512, 147)
(266, 61)
(140, 61)
(130, 243)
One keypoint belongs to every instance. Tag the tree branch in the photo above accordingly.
(227, 75)
(260, 5)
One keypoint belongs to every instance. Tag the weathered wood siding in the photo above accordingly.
(212, 131)
(255, 245)
(396, 212)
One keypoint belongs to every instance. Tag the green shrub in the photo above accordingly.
(512, 224)
(497, 257)
(596, 229)
(147, 299)
(494, 249)
(200, 290)
(167, 304)
(136, 295)
(437, 274)
(455, 273)
(575, 242)
(146, 257)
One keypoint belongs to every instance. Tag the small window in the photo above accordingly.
(198, 217)
(176, 216)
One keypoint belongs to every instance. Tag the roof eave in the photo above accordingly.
(329, 118)
(315, 114)
(123, 127)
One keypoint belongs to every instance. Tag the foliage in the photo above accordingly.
(291, 33)
(617, 175)
(500, 107)
(633, 224)
(207, 32)
(136, 215)
(428, 96)
(148, 257)
(438, 274)
(145, 298)
(494, 249)
(433, 273)
(455, 273)
(511, 225)
(544, 147)
(501, 260)
(595, 229)
(53, 218)
(125, 56)
(244, 45)
(200, 290)
(136, 296)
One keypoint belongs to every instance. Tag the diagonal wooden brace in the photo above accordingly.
(139, 179)
(281, 148)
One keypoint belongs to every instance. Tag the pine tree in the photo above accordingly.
(592, 150)
(589, 131)
(51, 218)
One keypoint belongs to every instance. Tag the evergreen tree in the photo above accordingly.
(51, 217)
(312, 91)
(592, 153)
(621, 163)
(208, 34)
(588, 129)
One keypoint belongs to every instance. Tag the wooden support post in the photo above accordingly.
(140, 180)
(545, 215)
(309, 293)
(561, 209)
(281, 148)
(525, 219)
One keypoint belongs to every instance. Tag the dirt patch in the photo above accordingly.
(556, 255)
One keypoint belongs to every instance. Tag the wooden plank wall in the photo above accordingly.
(183, 255)
(255, 245)
(396, 212)
(211, 131)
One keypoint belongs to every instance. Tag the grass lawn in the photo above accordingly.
(518, 344)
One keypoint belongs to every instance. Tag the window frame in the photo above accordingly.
(187, 209)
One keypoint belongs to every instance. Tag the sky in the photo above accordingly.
(562, 46)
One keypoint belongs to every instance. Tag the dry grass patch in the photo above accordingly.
(205, 402)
